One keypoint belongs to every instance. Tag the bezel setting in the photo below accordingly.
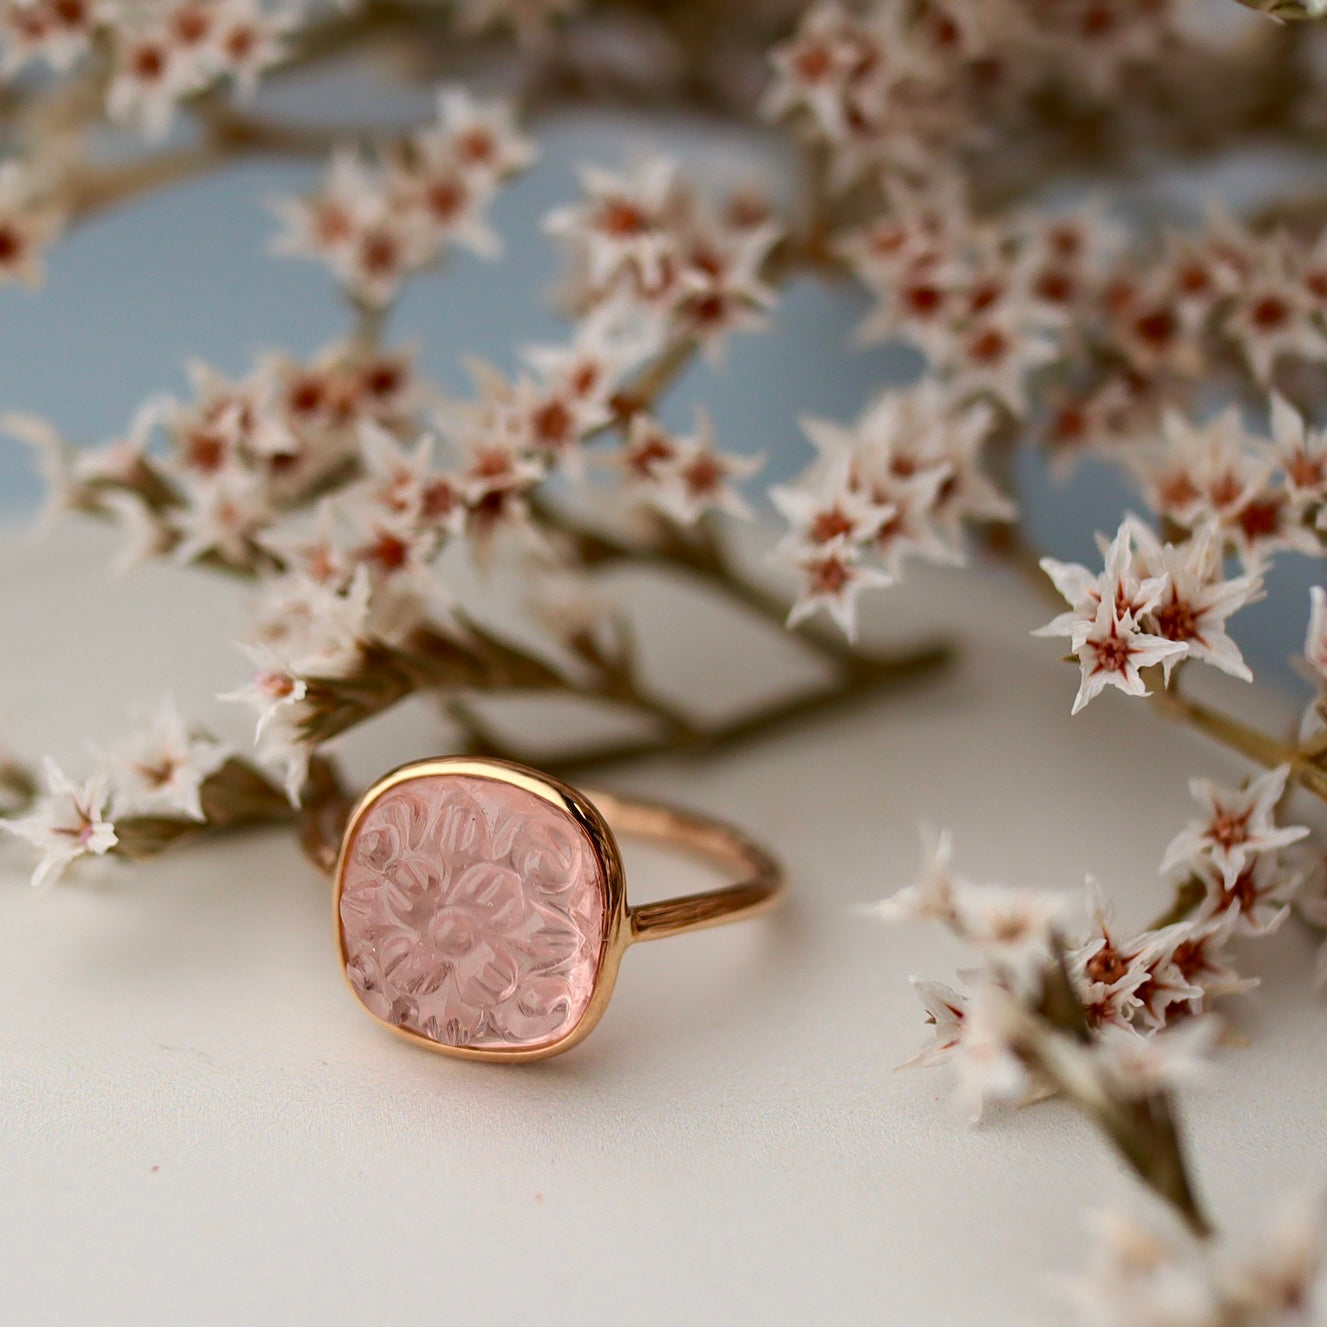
(616, 926)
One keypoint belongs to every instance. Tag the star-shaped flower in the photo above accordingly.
(1113, 651)
(68, 822)
(162, 768)
(1236, 825)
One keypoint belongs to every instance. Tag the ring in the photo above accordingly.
(481, 908)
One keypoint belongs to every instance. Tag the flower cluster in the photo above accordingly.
(1158, 326)
(1263, 497)
(159, 771)
(1153, 603)
(1224, 491)
(160, 54)
(1149, 1269)
(338, 482)
(204, 479)
(1236, 877)
(899, 483)
(987, 305)
(650, 244)
(887, 88)
(379, 218)
(1058, 316)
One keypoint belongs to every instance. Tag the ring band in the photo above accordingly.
(480, 906)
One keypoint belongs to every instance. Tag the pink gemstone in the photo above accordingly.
(472, 913)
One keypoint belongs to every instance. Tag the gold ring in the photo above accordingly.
(481, 907)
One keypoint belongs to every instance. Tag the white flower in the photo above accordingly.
(915, 456)
(995, 356)
(373, 227)
(1236, 825)
(1126, 584)
(1218, 472)
(1271, 316)
(1011, 927)
(622, 222)
(162, 768)
(720, 287)
(404, 484)
(480, 137)
(1197, 600)
(323, 225)
(1145, 1274)
(987, 1067)
(447, 205)
(312, 629)
(1259, 897)
(1135, 1066)
(251, 39)
(825, 505)
(1163, 955)
(311, 550)
(68, 822)
(272, 690)
(816, 67)
(944, 1012)
(831, 577)
(1108, 972)
(1154, 1273)
(1194, 954)
(608, 343)
(153, 72)
(1301, 452)
(224, 516)
(51, 30)
(932, 897)
(1112, 651)
(697, 478)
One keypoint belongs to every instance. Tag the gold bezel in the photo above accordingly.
(617, 926)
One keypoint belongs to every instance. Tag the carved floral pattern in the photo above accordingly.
(472, 913)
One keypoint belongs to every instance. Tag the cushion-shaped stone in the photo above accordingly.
(472, 912)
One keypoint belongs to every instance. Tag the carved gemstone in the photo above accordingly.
(472, 913)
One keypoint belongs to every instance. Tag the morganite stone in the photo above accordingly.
(472, 913)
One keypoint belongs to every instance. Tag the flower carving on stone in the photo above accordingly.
(472, 913)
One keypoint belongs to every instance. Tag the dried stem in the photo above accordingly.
(18, 788)
(1144, 1130)
(874, 679)
(238, 796)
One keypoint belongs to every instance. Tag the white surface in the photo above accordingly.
(199, 1125)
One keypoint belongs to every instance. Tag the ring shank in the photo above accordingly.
(758, 888)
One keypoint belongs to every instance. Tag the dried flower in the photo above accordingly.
(68, 822)
(162, 768)
(1236, 826)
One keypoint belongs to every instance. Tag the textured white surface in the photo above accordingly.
(199, 1125)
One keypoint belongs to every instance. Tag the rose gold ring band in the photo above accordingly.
(760, 874)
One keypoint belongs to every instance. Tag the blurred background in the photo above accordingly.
(137, 292)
